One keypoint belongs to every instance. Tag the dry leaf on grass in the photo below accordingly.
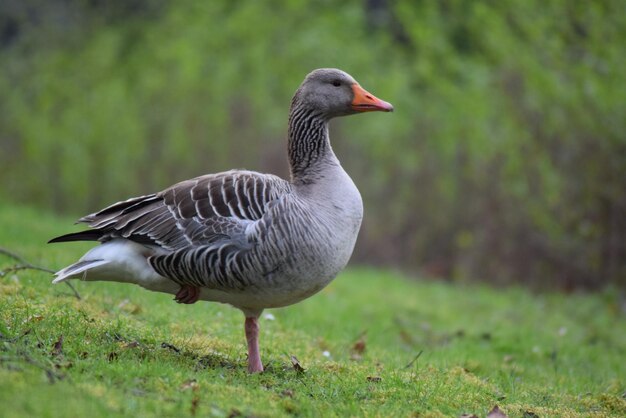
(359, 346)
(170, 347)
(496, 412)
(57, 347)
(189, 384)
(357, 350)
(287, 393)
(296, 364)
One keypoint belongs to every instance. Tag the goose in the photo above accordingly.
(251, 240)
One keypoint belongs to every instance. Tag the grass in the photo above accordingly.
(124, 351)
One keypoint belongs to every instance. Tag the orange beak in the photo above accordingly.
(367, 102)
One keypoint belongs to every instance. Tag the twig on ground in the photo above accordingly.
(15, 256)
(25, 265)
(19, 267)
(414, 359)
(50, 374)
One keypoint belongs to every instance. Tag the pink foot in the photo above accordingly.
(252, 336)
(187, 294)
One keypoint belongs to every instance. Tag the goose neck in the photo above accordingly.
(309, 147)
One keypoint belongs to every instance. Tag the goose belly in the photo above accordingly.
(312, 258)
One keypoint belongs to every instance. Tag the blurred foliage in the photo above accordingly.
(505, 159)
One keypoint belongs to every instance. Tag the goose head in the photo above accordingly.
(333, 93)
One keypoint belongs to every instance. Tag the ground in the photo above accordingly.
(374, 343)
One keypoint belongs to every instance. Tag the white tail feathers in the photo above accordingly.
(118, 260)
(77, 269)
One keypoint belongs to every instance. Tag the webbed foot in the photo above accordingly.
(187, 294)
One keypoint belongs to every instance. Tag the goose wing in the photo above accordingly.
(197, 212)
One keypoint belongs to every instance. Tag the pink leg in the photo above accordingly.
(187, 294)
(252, 335)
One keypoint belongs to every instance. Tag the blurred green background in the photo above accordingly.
(505, 160)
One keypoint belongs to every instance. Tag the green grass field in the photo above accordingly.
(124, 351)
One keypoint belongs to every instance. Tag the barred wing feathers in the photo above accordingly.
(201, 223)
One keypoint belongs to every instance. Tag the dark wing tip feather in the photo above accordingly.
(89, 235)
(121, 208)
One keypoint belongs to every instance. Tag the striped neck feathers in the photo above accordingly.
(308, 147)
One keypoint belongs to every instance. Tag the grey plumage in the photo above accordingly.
(245, 238)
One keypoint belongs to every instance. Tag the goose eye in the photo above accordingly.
(336, 83)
